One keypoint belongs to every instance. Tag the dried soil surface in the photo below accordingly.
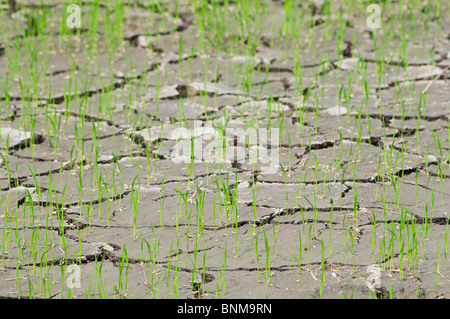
(365, 183)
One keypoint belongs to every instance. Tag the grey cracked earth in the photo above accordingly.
(88, 177)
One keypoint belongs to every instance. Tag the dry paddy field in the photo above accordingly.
(349, 200)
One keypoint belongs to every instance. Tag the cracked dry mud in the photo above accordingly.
(88, 177)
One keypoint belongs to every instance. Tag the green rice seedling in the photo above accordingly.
(285, 180)
(175, 279)
(437, 264)
(329, 235)
(352, 249)
(299, 258)
(256, 252)
(134, 203)
(199, 205)
(445, 246)
(102, 294)
(123, 265)
(355, 203)
(234, 205)
(34, 252)
(295, 39)
(168, 270)
(152, 262)
(221, 277)
(5, 161)
(31, 292)
(315, 210)
(108, 199)
(187, 216)
(161, 205)
(323, 267)
(310, 241)
(121, 182)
